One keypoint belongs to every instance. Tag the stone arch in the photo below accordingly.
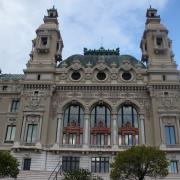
(69, 102)
(133, 102)
(107, 103)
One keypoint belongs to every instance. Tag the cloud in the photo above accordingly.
(83, 23)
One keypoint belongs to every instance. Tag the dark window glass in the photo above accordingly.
(127, 115)
(101, 75)
(44, 41)
(100, 165)
(126, 76)
(100, 114)
(5, 88)
(38, 77)
(164, 78)
(159, 41)
(75, 75)
(70, 163)
(14, 105)
(173, 167)
(74, 114)
(10, 133)
(31, 133)
(27, 164)
(170, 135)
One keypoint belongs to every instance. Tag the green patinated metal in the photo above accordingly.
(101, 51)
(11, 76)
(85, 60)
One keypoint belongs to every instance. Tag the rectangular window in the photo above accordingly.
(10, 133)
(44, 41)
(14, 105)
(100, 165)
(173, 167)
(170, 135)
(4, 88)
(70, 163)
(27, 164)
(129, 139)
(100, 139)
(159, 41)
(31, 133)
(73, 138)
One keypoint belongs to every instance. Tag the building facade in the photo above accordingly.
(81, 111)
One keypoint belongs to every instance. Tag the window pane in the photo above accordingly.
(27, 164)
(13, 133)
(8, 133)
(170, 135)
(100, 114)
(100, 164)
(70, 163)
(29, 132)
(127, 114)
(34, 133)
(173, 167)
(74, 113)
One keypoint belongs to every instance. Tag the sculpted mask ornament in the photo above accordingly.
(76, 65)
(126, 65)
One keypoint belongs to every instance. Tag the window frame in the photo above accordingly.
(68, 116)
(27, 167)
(169, 139)
(10, 140)
(173, 167)
(134, 116)
(32, 132)
(70, 163)
(14, 105)
(106, 114)
(96, 165)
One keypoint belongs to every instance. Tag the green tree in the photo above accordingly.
(8, 165)
(80, 174)
(138, 162)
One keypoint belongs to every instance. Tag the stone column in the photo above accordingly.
(162, 131)
(86, 130)
(39, 129)
(114, 131)
(141, 118)
(23, 128)
(59, 132)
(177, 128)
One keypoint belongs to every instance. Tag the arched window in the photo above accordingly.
(127, 115)
(100, 126)
(73, 125)
(100, 114)
(73, 114)
(128, 125)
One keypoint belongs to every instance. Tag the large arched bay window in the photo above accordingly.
(73, 125)
(100, 126)
(128, 125)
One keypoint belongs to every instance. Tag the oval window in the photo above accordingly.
(126, 76)
(101, 75)
(75, 75)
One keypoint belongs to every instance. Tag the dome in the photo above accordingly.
(108, 59)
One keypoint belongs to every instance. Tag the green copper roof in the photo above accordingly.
(11, 76)
(108, 59)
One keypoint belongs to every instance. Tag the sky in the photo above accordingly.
(82, 23)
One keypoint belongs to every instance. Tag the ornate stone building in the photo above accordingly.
(81, 111)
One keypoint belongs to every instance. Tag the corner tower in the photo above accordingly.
(46, 48)
(156, 49)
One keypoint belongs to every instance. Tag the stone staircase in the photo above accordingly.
(34, 175)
